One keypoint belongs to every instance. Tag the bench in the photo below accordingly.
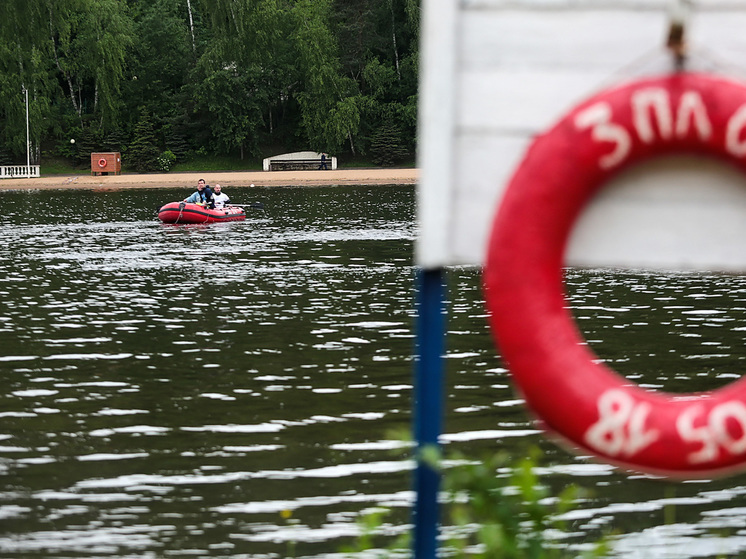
(296, 164)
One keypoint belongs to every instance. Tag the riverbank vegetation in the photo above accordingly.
(236, 79)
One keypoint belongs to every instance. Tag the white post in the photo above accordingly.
(28, 141)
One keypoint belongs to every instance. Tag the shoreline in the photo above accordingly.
(233, 179)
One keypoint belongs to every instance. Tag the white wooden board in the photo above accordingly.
(496, 72)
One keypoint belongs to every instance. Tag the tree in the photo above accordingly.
(329, 101)
(90, 47)
(236, 105)
(380, 54)
(176, 132)
(24, 64)
(233, 76)
(387, 145)
(87, 141)
(252, 51)
(143, 152)
(162, 61)
(115, 140)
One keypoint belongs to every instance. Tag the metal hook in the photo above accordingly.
(676, 43)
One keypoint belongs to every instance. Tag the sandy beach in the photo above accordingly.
(85, 181)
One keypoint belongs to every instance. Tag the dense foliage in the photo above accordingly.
(247, 78)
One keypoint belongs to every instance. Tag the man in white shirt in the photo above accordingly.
(219, 197)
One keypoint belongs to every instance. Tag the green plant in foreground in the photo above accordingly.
(498, 510)
(503, 511)
(287, 516)
(371, 525)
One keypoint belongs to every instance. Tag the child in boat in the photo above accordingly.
(220, 198)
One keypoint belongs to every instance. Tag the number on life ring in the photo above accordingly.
(562, 380)
(102, 162)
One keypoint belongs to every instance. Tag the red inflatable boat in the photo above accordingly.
(182, 212)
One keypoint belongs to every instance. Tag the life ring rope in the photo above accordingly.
(563, 381)
(102, 162)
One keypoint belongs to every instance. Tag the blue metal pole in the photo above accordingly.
(428, 407)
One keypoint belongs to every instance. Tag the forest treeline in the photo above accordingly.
(165, 80)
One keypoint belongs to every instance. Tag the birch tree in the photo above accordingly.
(90, 48)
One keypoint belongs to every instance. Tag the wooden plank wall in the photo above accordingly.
(495, 73)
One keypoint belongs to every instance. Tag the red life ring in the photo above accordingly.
(562, 380)
(102, 162)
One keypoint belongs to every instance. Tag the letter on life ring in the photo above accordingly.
(102, 162)
(562, 380)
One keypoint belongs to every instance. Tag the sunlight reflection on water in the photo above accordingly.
(172, 390)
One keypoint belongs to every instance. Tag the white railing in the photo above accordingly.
(19, 171)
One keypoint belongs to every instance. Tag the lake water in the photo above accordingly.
(234, 390)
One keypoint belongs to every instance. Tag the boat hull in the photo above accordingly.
(181, 212)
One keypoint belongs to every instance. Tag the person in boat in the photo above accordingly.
(220, 198)
(202, 196)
